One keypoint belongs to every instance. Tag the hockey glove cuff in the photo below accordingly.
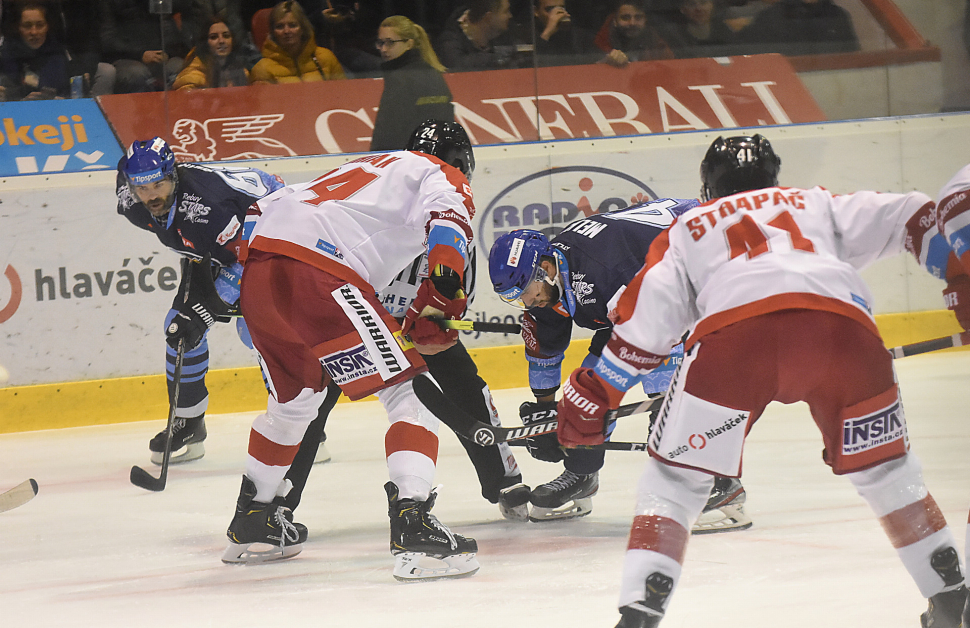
(192, 324)
(957, 298)
(544, 447)
(430, 302)
(582, 409)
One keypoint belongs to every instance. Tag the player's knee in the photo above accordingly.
(891, 485)
(673, 492)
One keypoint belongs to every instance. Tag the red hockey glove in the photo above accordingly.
(582, 409)
(430, 302)
(957, 298)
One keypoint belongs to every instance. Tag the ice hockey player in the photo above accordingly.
(572, 280)
(767, 277)
(315, 252)
(198, 212)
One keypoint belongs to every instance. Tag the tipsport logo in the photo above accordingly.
(577, 192)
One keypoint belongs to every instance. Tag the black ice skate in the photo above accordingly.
(261, 532)
(946, 609)
(423, 547)
(724, 511)
(567, 497)
(187, 437)
(513, 502)
(648, 612)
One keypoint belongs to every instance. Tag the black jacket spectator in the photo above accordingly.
(413, 92)
(486, 21)
(27, 70)
(34, 63)
(801, 27)
(698, 29)
(130, 39)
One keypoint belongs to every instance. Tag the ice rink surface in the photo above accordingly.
(93, 550)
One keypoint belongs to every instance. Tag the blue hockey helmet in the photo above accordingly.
(514, 263)
(148, 161)
(447, 141)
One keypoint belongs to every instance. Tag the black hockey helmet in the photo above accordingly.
(447, 141)
(738, 164)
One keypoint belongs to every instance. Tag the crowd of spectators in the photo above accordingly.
(82, 48)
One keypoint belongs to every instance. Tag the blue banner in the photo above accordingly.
(47, 136)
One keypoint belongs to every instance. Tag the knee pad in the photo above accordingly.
(285, 423)
(673, 492)
(892, 485)
(402, 404)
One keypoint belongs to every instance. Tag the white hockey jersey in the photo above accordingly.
(369, 218)
(757, 252)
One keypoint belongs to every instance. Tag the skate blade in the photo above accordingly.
(724, 519)
(414, 566)
(192, 451)
(323, 454)
(572, 510)
(257, 553)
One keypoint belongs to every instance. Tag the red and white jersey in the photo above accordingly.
(369, 218)
(757, 252)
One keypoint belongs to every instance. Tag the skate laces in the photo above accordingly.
(566, 480)
(288, 531)
(431, 521)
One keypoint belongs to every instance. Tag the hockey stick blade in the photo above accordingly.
(609, 445)
(484, 434)
(18, 495)
(143, 479)
(937, 344)
(497, 328)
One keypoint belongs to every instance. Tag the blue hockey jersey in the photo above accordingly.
(209, 209)
(597, 256)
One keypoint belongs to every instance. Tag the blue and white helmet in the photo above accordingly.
(148, 161)
(514, 263)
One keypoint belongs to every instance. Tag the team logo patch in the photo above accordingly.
(860, 434)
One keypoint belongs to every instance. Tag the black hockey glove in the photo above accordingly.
(545, 446)
(190, 325)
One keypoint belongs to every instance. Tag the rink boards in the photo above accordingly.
(83, 292)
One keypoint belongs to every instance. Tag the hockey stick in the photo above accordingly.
(498, 328)
(956, 340)
(484, 434)
(18, 495)
(608, 445)
(139, 477)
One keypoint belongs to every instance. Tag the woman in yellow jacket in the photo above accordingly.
(290, 53)
(215, 61)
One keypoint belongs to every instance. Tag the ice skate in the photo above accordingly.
(946, 608)
(261, 532)
(187, 437)
(724, 511)
(567, 497)
(648, 612)
(423, 547)
(513, 502)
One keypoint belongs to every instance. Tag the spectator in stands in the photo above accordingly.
(75, 24)
(347, 28)
(801, 27)
(215, 61)
(34, 64)
(290, 53)
(558, 40)
(476, 37)
(632, 37)
(197, 15)
(738, 14)
(414, 90)
(132, 41)
(698, 29)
